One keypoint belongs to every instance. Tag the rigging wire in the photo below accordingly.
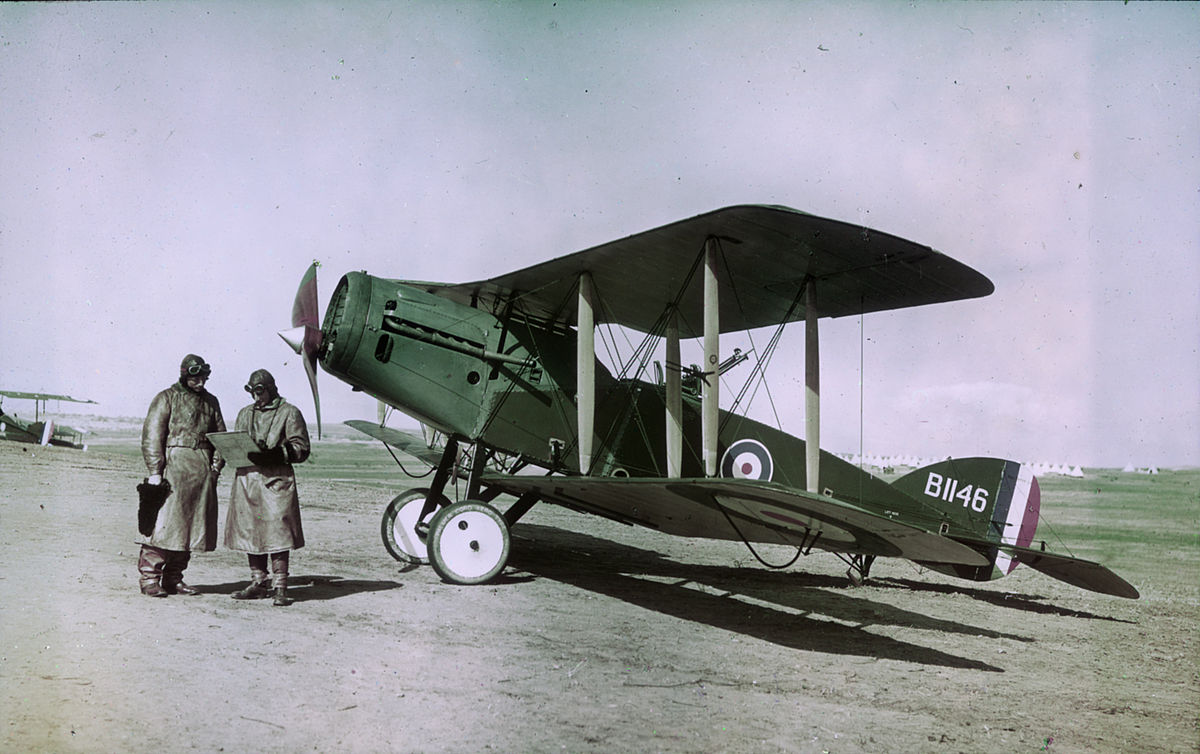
(749, 336)
(764, 359)
(760, 365)
(1061, 541)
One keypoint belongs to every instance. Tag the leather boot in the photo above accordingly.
(150, 565)
(281, 597)
(279, 579)
(172, 577)
(257, 590)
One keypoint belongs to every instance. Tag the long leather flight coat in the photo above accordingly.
(174, 445)
(264, 509)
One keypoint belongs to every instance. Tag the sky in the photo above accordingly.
(169, 170)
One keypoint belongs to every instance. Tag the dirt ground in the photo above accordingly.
(597, 638)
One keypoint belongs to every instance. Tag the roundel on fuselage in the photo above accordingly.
(747, 459)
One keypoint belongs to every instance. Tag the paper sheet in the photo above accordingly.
(234, 446)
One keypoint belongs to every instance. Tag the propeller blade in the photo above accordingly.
(310, 368)
(305, 335)
(304, 308)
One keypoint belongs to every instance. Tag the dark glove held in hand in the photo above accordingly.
(272, 457)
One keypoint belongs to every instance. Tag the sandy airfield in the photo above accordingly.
(597, 638)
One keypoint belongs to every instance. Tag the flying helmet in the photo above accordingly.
(260, 380)
(193, 366)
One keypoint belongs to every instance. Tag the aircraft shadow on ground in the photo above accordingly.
(312, 588)
(1032, 603)
(690, 592)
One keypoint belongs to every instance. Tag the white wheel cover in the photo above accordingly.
(404, 532)
(471, 544)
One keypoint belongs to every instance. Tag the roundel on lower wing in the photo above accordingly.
(747, 459)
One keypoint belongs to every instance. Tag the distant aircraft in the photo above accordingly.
(38, 431)
(508, 367)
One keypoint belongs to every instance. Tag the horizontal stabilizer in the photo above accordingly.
(1084, 574)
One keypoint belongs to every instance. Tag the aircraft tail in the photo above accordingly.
(993, 505)
(988, 503)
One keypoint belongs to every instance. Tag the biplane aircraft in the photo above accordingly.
(505, 370)
(38, 431)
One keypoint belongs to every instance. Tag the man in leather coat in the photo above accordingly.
(264, 509)
(175, 449)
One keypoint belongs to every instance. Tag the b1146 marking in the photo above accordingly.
(947, 489)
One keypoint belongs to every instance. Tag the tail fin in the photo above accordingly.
(987, 501)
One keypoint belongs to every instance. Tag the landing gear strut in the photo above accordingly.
(860, 568)
(406, 519)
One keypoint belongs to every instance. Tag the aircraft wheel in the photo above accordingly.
(468, 542)
(399, 526)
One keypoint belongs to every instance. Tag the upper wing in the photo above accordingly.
(741, 508)
(42, 397)
(767, 255)
(410, 443)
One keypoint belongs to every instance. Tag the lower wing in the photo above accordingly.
(743, 509)
(409, 442)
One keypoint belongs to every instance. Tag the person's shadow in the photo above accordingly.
(306, 588)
